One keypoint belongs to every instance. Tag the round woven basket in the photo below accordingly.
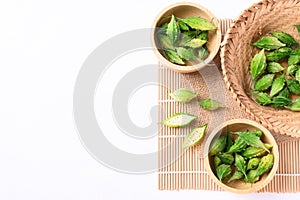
(236, 54)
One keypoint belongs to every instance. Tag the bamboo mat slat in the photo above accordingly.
(177, 170)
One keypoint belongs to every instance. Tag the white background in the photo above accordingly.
(42, 47)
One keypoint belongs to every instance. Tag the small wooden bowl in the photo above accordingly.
(242, 125)
(184, 10)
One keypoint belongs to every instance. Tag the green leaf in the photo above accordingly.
(240, 164)
(258, 64)
(238, 146)
(279, 54)
(297, 76)
(174, 57)
(217, 161)
(251, 176)
(263, 98)
(253, 163)
(277, 85)
(164, 26)
(173, 30)
(183, 26)
(194, 137)
(295, 106)
(179, 120)
(186, 53)
(226, 158)
(203, 35)
(183, 95)
(266, 163)
(274, 67)
(229, 141)
(223, 171)
(236, 176)
(195, 43)
(184, 38)
(252, 152)
(218, 145)
(268, 43)
(252, 140)
(285, 38)
(210, 104)
(285, 92)
(291, 70)
(294, 59)
(198, 23)
(203, 53)
(280, 102)
(293, 86)
(264, 82)
(165, 42)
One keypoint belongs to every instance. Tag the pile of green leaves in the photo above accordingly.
(185, 39)
(275, 71)
(246, 158)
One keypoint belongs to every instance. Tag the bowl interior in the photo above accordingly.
(184, 10)
(239, 186)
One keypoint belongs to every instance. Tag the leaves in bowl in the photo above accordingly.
(185, 39)
(249, 160)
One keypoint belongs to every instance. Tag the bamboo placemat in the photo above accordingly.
(185, 170)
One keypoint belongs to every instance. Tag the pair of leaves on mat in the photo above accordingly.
(184, 39)
(185, 95)
(273, 84)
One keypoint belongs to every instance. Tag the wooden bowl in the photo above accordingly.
(242, 125)
(236, 54)
(184, 10)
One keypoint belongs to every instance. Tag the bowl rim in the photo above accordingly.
(275, 151)
(183, 68)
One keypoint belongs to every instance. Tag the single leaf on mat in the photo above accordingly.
(210, 104)
(194, 137)
(179, 120)
(183, 95)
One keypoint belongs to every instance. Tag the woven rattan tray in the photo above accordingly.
(260, 19)
(187, 171)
